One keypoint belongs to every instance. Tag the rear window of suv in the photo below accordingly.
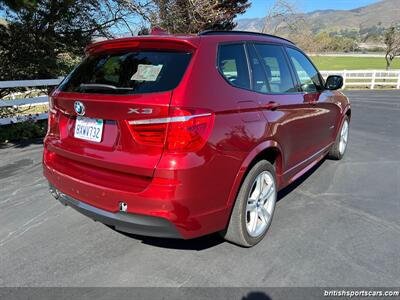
(128, 73)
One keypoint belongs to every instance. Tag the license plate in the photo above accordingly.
(88, 129)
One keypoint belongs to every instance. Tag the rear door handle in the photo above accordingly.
(272, 105)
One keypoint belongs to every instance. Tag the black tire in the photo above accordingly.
(236, 231)
(334, 152)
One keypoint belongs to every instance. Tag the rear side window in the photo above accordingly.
(128, 73)
(308, 75)
(232, 64)
(279, 79)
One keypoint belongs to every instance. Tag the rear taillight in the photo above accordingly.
(185, 130)
(149, 134)
(188, 131)
(52, 122)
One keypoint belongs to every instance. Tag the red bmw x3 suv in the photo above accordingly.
(181, 136)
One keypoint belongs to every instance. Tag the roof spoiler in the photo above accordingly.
(143, 42)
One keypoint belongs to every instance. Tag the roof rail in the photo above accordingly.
(233, 32)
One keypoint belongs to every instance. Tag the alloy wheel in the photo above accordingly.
(260, 204)
(344, 134)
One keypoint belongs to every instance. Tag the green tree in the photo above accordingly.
(19, 4)
(193, 16)
(392, 42)
(44, 39)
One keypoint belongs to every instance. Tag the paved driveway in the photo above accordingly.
(337, 226)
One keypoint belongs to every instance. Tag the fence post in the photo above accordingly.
(398, 81)
(344, 79)
(373, 80)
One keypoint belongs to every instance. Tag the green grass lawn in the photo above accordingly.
(352, 63)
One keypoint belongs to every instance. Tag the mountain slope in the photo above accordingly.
(380, 14)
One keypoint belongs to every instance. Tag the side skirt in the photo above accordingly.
(300, 169)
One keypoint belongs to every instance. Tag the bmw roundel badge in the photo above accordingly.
(79, 108)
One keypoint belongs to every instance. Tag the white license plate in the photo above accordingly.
(88, 129)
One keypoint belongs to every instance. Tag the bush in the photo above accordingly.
(19, 132)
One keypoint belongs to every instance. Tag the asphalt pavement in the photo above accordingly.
(337, 226)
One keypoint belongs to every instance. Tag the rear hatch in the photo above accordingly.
(118, 82)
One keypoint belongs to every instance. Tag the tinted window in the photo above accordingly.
(128, 73)
(308, 75)
(277, 71)
(259, 78)
(232, 64)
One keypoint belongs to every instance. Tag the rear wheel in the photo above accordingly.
(339, 147)
(254, 206)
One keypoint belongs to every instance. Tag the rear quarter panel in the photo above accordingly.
(236, 132)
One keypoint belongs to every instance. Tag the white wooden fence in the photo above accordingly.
(355, 78)
(26, 102)
(367, 78)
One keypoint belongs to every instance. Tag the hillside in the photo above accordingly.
(381, 14)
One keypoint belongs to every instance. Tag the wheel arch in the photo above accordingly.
(348, 112)
(268, 150)
(272, 154)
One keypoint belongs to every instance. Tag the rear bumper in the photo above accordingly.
(122, 221)
(151, 212)
(192, 198)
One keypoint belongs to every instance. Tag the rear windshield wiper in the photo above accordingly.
(98, 86)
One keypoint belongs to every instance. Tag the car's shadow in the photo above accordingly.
(291, 187)
(212, 240)
(22, 143)
(257, 295)
(197, 244)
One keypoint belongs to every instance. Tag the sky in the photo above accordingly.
(259, 7)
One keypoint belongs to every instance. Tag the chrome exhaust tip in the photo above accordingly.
(54, 192)
(123, 206)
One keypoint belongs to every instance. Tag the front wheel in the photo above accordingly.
(339, 147)
(254, 206)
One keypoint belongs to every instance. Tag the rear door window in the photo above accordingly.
(232, 64)
(133, 72)
(278, 74)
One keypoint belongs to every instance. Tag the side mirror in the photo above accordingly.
(334, 82)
